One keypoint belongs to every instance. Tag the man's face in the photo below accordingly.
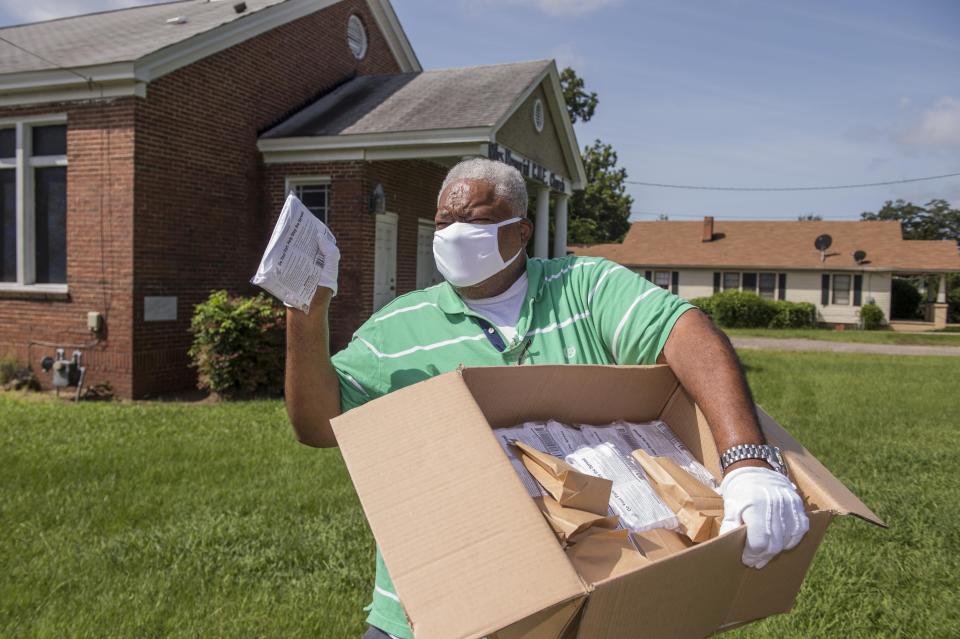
(475, 202)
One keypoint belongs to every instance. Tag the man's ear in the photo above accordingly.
(526, 230)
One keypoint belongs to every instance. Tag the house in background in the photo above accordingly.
(780, 260)
(145, 154)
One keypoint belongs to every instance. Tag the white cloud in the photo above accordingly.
(564, 8)
(37, 10)
(556, 8)
(939, 126)
(567, 55)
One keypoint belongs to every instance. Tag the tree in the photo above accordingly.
(601, 212)
(810, 217)
(935, 221)
(580, 104)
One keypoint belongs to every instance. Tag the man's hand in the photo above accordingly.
(769, 505)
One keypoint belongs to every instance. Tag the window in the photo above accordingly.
(33, 228)
(841, 289)
(731, 281)
(749, 282)
(662, 279)
(314, 192)
(768, 285)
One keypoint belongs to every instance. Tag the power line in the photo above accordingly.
(842, 217)
(790, 188)
(86, 79)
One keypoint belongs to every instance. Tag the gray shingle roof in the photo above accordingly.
(124, 35)
(438, 99)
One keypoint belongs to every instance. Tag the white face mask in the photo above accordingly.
(467, 254)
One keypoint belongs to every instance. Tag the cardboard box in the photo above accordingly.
(471, 555)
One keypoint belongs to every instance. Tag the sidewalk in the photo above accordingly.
(774, 344)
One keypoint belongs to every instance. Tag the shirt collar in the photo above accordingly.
(452, 304)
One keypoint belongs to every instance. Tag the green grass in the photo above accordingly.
(208, 520)
(938, 338)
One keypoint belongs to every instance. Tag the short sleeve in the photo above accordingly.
(633, 316)
(358, 369)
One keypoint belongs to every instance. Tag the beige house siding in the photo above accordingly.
(802, 286)
(520, 135)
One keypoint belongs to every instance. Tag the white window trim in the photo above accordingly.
(23, 164)
(292, 181)
(833, 289)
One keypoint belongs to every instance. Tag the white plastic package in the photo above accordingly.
(302, 254)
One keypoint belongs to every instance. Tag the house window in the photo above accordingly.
(662, 279)
(33, 227)
(731, 281)
(841, 289)
(768, 285)
(314, 193)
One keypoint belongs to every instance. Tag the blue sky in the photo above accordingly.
(723, 92)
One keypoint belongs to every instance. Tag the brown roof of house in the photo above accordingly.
(777, 245)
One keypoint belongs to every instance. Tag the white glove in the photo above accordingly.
(768, 503)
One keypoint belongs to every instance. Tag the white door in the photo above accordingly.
(427, 273)
(385, 261)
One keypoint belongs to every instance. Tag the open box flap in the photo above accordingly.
(573, 394)
(824, 490)
(491, 559)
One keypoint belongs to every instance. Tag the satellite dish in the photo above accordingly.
(859, 256)
(823, 242)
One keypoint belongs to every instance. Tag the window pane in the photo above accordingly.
(315, 197)
(50, 140)
(8, 143)
(50, 213)
(768, 285)
(841, 289)
(750, 282)
(8, 226)
(662, 279)
(731, 281)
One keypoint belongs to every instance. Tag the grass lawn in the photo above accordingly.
(868, 337)
(205, 520)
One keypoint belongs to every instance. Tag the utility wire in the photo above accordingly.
(86, 79)
(791, 188)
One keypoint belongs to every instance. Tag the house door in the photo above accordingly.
(427, 273)
(385, 261)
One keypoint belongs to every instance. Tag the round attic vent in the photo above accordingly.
(356, 37)
(538, 117)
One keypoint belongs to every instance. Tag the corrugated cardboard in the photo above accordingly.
(470, 553)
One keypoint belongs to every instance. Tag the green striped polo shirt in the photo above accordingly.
(577, 310)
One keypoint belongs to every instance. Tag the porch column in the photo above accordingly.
(560, 226)
(541, 231)
(942, 293)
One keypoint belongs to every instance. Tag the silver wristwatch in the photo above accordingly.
(769, 454)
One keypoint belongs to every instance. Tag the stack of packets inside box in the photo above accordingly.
(616, 496)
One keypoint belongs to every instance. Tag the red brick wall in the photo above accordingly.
(100, 139)
(201, 221)
(411, 187)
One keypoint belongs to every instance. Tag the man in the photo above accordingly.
(497, 307)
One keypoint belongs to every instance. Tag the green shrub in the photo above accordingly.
(871, 316)
(238, 345)
(705, 304)
(793, 315)
(905, 299)
(737, 309)
(17, 375)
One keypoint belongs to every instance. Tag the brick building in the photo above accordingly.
(145, 154)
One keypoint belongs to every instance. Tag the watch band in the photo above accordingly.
(769, 454)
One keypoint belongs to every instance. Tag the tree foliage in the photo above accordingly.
(600, 212)
(580, 104)
(810, 217)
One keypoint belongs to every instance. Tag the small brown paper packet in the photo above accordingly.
(699, 508)
(598, 554)
(567, 522)
(569, 486)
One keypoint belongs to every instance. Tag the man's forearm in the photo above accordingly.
(704, 361)
(311, 388)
